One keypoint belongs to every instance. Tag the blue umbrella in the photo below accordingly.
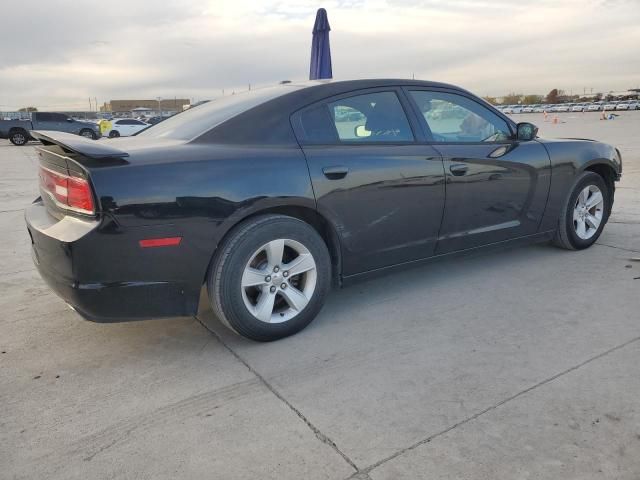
(320, 49)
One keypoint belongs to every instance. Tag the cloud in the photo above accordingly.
(59, 53)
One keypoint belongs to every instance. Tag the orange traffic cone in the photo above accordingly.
(556, 119)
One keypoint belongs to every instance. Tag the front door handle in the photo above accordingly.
(458, 169)
(336, 172)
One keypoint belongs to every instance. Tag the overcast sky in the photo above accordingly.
(57, 53)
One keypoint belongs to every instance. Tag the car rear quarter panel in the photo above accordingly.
(569, 157)
(197, 192)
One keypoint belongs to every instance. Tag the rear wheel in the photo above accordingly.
(270, 277)
(584, 214)
(18, 137)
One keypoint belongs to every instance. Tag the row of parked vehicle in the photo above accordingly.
(17, 131)
(572, 107)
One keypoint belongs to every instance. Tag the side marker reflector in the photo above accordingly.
(160, 242)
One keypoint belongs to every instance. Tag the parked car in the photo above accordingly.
(623, 105)
(595, 107)
(528, 108)
(579, 107)
(562, 107)
(18, 131)
(539, 109)
(512, 109)
(124, 127)
(609, 106)
(268, 199)
(634, 105)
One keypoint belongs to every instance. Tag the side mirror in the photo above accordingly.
(360, 131)
(526, 131)
(70, 120)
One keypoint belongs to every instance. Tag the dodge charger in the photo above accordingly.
(271, 197)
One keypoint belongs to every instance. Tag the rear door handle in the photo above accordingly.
(458, 169)
(336, 172)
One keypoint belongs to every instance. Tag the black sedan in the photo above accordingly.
(272, 196)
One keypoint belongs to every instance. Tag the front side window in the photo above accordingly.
(458, 119)
(372, 117)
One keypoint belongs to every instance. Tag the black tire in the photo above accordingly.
(114, 134)
(88, 133)
(228, 264)
(18, 137)
(566, 236)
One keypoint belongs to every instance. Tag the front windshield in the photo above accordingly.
(194, 122)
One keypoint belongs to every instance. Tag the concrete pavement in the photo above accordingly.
(517, 364)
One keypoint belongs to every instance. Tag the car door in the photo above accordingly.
(63, 123)
(496, 187)
(382, 190)
(121, 126)
(45, 121)
(136, 126)
(125, 127)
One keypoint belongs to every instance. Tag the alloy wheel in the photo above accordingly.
(588, 212)
(279, 280)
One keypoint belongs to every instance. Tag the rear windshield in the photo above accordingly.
(194, 122)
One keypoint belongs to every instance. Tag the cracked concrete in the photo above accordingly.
(518, 364)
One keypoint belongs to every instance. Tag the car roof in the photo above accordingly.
(233, 119)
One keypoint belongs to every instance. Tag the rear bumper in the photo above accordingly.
(69, 256)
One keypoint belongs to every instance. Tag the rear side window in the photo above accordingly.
(366, 118)
(58, 117)
(43, 117)
(317, 126)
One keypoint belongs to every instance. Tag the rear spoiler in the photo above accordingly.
(78, 144)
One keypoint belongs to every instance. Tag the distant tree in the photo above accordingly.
(28, 109)
(512, 98)
(552, 96)
(491, 100)
(532, 99)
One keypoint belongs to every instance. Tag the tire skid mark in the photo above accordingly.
(89, 446)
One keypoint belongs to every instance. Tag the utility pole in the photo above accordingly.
(159, 106)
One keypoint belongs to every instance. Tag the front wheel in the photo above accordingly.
(584, 213)
(114, 134)
(270, 277)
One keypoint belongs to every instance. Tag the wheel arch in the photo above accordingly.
(18, 129)
(322, 225)
(607, 172)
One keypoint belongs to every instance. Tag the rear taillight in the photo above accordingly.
(71, 193)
